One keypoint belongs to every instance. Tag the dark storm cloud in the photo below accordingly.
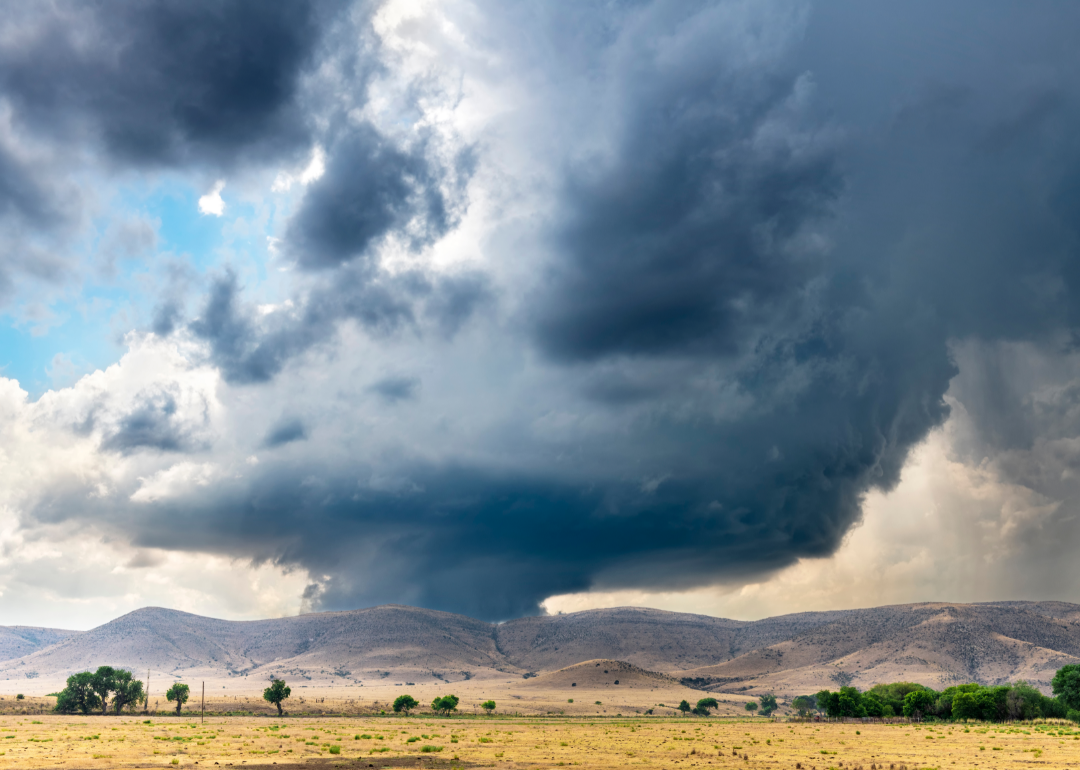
(753, 273)
(684, 241)
(164, 82)
(825, 266)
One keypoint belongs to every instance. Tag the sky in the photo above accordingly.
(731, 307)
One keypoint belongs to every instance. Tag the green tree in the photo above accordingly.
(768, 704)
(684, 707)
(1066, 685)
(104, 682)
(823, 701)
(405, 703)
(705, 705)
(751, 707)
(804, 704)
(276, 693)
(445, 704)
(849, 703)
(488, 706)
(78, 696)
(892, 695)
(127, 690)
(872, 705)
(919, 703)
(178, 692)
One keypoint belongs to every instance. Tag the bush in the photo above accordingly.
(430, 749)
(20, 696)
(335, 749)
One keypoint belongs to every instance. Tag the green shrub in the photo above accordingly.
(335, 749)
(430, 749)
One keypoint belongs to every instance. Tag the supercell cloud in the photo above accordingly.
(578, 296)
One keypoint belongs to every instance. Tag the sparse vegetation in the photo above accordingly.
(608, 744)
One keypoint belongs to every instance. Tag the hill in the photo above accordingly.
(600, 675)
(936, 643)
(16, 641)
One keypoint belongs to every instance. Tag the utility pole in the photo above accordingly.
(204, 702)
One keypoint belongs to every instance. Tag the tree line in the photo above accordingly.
(989, 703)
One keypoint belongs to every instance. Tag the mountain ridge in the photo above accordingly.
(935, 643)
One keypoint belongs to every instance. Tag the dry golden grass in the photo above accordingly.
(518, 742)
(546, 695)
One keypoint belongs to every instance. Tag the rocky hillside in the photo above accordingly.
(937, 644)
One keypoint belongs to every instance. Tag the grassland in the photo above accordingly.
(510, 742)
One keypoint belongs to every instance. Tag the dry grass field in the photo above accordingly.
(545, 695)
(517, 742)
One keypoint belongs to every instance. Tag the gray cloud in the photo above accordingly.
(155, 423)
(370, 188)
(255, 350)
(286, 431)
(767, 240)
(168, 82)
(394, 389)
